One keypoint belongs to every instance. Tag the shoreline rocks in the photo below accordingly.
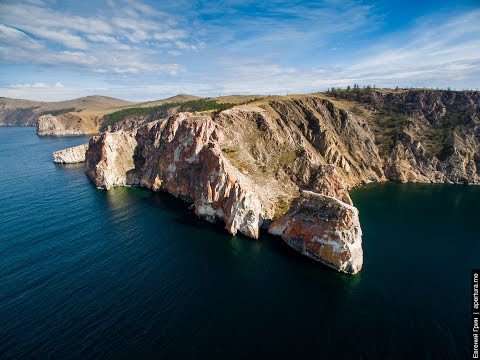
(324, 229)
(70, 155)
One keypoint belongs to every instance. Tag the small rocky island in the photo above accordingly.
(285, 164)
(71, 155)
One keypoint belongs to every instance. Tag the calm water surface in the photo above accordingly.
(90, 274)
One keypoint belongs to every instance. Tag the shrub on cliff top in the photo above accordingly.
(57, 112)
(161, 111)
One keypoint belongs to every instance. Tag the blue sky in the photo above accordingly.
(143, 50)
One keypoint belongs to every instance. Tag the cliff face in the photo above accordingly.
(286, 165)
(180, 156)
(70, 124)
(424, 135)
(70, 155)
(18, 117)
(110, 158)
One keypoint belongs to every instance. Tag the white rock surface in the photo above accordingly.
(70, 155)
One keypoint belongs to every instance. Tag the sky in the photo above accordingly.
(143, 50)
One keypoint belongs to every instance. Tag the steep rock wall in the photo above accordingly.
(424, 135)
(324, 229)
(180, 156)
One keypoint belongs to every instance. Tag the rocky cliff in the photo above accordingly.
(183, 157)
(286, 164)
(70, 155)
(324, 229)
(424, 135)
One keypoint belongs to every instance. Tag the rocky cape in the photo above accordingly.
(285, 164)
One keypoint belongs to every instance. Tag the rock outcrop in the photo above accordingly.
(110, 159)
(70, 124)
(324, 229)
(286, 164)
(70, 155)
(181, 156)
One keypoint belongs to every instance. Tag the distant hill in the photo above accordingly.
(171, 99)
(20, 112)
(238, 99)
(90, 102)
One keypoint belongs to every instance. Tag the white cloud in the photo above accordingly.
(47, 94)
(170, 35)
(136, 49)
(184, 46)
(174, 52)
(37, 32)
(446, 50)
(26, 85)
(102, 39)
(40, 85)
(10, 37)
(37, 85)
(62, 37)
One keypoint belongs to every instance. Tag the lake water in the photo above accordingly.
(91, 274)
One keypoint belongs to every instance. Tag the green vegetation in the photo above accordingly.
(283, 205)
(287, 157)
(57, 112)
(352, 93)
(390, 120)
(357, 110)
(389, 126)
(257, 98)
(161, 111)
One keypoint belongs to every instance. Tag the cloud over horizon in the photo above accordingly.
(140, 50)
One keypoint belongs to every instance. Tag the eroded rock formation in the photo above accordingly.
(181, 156)
(72, 155)
(110, 158)
(324, 229)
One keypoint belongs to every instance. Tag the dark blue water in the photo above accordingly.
(90, 274)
